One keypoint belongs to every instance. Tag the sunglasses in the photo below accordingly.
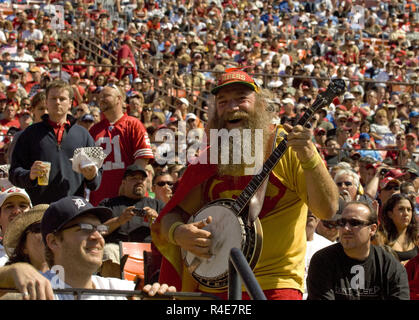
(353, 223)
(395, 188)
(147, 109)
(346, 183)
(34, 228)
(329, 224)
(163, 183)
(89, 228)
(25, 104)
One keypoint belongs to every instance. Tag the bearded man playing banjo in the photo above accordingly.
(199, 225)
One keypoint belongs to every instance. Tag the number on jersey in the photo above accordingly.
(110, 146)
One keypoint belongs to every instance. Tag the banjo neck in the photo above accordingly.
(336, 87)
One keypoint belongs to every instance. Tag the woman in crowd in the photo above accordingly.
(23, 241)
(146, 116)
(400, 226)
(379, 129)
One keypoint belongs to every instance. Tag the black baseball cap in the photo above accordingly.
(61, 212)
(87, 117)
(134, 168)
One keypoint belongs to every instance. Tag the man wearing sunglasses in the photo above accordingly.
(163, 186)
(348, 183)
(132, 213)
(124, 139)
(72, 230)
(355, 269)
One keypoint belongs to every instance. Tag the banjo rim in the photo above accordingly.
(252, 242)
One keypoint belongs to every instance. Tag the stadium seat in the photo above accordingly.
(133, 262)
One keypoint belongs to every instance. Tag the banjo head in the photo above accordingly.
(228, 231)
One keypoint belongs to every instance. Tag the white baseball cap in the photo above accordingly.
(137, 80)
(288, 100)
(14, 191)
(190, 116)
(348, 96)
(184, 100)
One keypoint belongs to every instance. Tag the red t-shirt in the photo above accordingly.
(123, 142)
(412, 269)
(126, 53)
(6, 124)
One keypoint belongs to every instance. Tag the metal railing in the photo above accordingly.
(239, 270)
(77, 293)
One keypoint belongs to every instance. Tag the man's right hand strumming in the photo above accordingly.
(193, 238)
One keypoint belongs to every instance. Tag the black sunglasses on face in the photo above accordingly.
(347, 183)
(147, 109)
(353, 223)
(329, 224)
(395, 188)
(163, 183)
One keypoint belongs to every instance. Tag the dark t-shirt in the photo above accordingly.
(407, 255)
(135, 230)
(332, 275)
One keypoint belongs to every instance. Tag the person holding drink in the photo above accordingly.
(40, 161)
(41, 170)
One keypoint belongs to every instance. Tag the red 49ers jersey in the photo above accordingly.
(124, 142)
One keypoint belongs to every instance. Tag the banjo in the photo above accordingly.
(232, 225)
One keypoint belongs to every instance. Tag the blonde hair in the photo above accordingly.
(384, 113)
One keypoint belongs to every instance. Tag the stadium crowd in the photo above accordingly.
(151, 68)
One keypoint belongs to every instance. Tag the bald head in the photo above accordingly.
(111, 103)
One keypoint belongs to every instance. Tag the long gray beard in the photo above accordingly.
(246, 150)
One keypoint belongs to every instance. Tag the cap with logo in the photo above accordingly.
(14, 191)
(235, 75)
(66, 209)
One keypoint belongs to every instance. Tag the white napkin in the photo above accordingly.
(88, 156)
(5, 168)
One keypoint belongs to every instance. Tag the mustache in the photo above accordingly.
(239, 114)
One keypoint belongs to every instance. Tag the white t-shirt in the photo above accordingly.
(3, 256)
(24, 57)
(36, 35)
(318, 242)
(99, 283)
